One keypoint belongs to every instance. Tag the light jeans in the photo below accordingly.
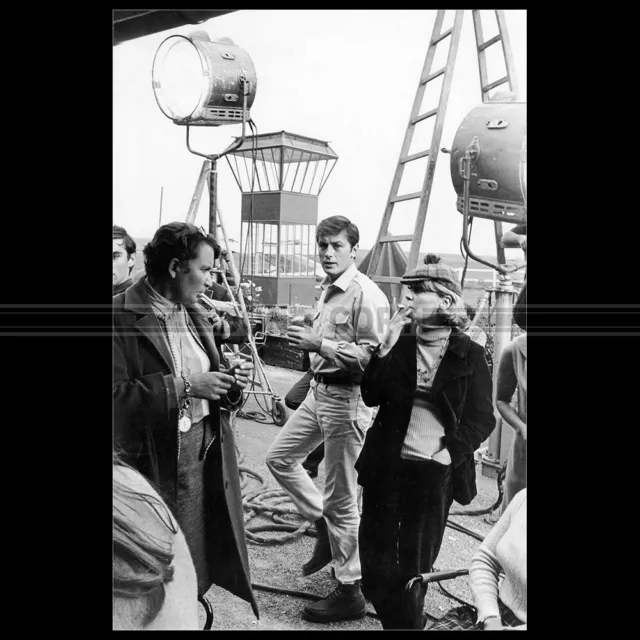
(336, 415)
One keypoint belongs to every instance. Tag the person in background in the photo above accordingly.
(474, 331)
(516, 237)
(171, 403)
(154, 581)
(500, 602)
(352, 312)
(124, 259)
(228, 328)
(512, 378)
(434, 390)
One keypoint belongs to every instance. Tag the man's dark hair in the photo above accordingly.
(120, 233)
(520, 309)
(179, 240)
(334, 225)
(471, 310)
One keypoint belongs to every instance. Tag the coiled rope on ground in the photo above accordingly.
(263, 501)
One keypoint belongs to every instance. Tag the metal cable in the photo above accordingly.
(465, 255)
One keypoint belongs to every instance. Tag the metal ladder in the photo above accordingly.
(438, 37)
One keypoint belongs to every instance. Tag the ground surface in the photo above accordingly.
(280, 565)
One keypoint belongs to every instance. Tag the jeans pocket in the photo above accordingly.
(339, 392)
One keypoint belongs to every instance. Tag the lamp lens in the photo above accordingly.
(179, 78)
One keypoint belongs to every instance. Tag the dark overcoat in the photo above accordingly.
(462, 392)
(145, 414)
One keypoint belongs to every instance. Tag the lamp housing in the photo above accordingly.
(197, 81)
(498, 181)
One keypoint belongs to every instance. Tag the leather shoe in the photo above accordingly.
(345, 602)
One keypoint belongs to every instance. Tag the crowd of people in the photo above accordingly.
(397, 404)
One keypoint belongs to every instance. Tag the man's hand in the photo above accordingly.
(304, 338)
(210, 386)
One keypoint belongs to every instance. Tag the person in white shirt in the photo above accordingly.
(350, 323)
(498, 603)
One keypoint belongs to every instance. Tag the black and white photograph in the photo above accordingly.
(319, 319)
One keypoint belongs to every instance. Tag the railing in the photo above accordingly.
(516, 276)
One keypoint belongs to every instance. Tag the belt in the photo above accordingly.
(334, 380)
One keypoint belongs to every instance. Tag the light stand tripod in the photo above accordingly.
(209, 170)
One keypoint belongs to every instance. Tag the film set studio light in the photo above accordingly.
(489, 167)
(199, 81)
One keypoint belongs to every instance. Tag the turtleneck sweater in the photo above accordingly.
(423, 440)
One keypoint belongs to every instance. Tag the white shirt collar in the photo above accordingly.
(344, 280)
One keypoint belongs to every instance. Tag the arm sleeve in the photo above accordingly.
(376, 379)
(368, 320)
(484, 571)
(478, 419)
(149, 399)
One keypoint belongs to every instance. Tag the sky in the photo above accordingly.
(346, 77)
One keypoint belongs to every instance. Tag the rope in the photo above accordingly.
(264, 416)
(450, 595)
(263, 501)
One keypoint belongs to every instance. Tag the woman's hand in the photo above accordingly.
(400, 319)
(210, 386)
(242, 375)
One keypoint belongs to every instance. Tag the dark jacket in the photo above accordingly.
(462, 392)
(145, 414)
(123, 286)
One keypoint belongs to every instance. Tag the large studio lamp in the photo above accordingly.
(197, 81)
(488, 167)
(200, 81)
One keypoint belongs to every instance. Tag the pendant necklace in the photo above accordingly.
(184, 421)
(428, 374)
